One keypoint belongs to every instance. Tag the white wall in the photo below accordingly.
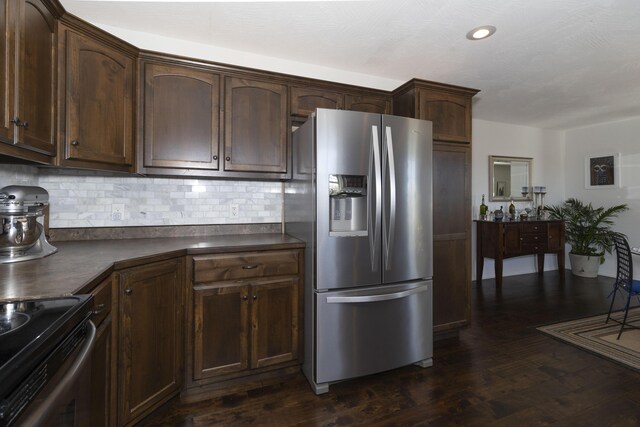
(154, 42)
(546, 147)
(615, 137)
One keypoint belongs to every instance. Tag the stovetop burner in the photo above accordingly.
(10, 322)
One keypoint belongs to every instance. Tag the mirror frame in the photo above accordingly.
(495, 198)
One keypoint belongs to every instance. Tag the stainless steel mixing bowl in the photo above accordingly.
(19, 233)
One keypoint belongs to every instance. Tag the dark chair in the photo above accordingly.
(624, 280)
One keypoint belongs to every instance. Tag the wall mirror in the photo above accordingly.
(508, 177)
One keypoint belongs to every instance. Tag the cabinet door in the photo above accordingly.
(367, 104)
(101, 376)
(6, 88)
(452, 236)
(512, 239)
(150, 337)
(305, 100)
(255, 117)
(220, 339)
(555, 236)
(450, 114)
(29, 76)
(181, 117)
(98, 103)
(274, 322)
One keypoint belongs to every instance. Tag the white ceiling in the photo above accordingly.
(555, 64)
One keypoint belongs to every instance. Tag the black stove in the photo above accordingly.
(36, 336)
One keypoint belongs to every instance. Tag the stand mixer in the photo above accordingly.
(22, 237)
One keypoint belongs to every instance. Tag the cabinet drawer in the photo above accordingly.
(533, 248)
(101, 302)
(539, 238)
(210, 268)
(533, 228)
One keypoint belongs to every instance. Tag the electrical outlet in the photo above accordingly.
(117, 212)
(233, 211)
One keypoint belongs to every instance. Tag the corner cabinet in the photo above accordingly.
(97, 100)
(150, 337)
(246, 316)
(256, 135)
(28, 72)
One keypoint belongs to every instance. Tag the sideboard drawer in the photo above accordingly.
(535, 227)
(539, 238)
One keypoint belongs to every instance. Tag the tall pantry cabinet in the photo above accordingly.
(449, 108)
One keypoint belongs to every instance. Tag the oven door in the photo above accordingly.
(65, 400)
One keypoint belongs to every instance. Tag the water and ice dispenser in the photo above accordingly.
(348, 196)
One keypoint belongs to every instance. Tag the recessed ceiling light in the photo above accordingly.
(480, 33)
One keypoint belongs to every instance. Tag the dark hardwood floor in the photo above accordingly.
(501, 372)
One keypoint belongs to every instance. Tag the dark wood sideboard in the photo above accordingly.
(507, 239)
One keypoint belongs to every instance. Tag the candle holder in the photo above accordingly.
(536, 204)
(541, 212)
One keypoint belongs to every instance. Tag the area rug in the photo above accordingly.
(592, 334)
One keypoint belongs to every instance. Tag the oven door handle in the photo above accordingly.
(52, 401)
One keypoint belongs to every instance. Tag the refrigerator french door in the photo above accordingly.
(361, 199)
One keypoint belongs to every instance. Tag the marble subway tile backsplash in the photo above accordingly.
(88, 199)
(18, 175)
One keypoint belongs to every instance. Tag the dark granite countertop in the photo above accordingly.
(79, 265)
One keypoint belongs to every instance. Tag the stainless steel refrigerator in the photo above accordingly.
(361, 198)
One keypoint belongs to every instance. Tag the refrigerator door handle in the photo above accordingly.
(376, 298)
(392, 199)
(375, 211)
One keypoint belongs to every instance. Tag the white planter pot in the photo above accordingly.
(584, 266)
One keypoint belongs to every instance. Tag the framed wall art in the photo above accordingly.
(602, 171)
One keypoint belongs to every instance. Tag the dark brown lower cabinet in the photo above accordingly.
(149, 337)
(240, 326)
(101, 376)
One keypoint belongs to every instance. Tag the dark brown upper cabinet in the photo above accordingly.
(304, 100)
(181, 118)
(256, 127)
(97, 91)
(368, 103)
(450, 114)
(447, 106)
(28, 77)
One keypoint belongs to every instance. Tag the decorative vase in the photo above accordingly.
(584, 266)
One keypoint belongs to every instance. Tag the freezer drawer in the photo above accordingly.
(372, 330)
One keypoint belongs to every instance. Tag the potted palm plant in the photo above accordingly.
(588, 231)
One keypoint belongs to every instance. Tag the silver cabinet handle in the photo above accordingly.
(249, 267)
(376, 298)
(75, 142)
(128, 291)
